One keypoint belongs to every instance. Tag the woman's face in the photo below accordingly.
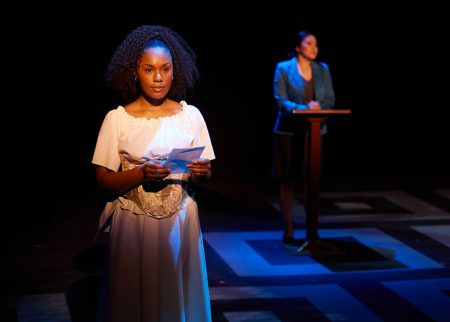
(155, 72)
(308, 47)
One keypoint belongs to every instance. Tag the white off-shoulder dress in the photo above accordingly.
(155, 268)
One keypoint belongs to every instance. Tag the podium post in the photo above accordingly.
(313, 244)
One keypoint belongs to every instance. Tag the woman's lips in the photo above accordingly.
(157, 88)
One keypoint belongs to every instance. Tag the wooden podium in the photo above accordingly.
(313, 245)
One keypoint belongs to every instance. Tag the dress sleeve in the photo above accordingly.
(106, 150)
(202, 137)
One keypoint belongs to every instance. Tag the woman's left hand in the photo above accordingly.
(200, 167)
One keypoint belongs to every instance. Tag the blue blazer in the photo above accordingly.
(289, 92)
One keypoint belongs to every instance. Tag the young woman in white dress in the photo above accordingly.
(155, 268)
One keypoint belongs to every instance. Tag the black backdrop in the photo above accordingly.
(387, 66)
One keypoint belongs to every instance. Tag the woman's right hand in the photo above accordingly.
(155, 170)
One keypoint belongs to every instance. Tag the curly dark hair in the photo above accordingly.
(120, 73)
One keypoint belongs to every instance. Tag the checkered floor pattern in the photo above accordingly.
(394, 265)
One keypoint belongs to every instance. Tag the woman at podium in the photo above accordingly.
(299, 83)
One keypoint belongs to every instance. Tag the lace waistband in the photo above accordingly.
(160, 199)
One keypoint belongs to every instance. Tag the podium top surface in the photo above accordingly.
(322, 112)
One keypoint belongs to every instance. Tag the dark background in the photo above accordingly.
(388, 66)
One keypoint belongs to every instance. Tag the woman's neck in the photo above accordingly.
(303, 63)
(304, 67)
(148, 102)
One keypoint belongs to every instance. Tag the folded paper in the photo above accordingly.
(178, 159)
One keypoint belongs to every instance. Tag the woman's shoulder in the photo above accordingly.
(115, 114)
(189, 108)
(192, 112)
(287, 62)
(116, 111)
(321, 65)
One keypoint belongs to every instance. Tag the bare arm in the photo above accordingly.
(121, 182)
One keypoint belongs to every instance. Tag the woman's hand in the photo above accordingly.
(200, 167)
(155, 170)
(314, 105)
